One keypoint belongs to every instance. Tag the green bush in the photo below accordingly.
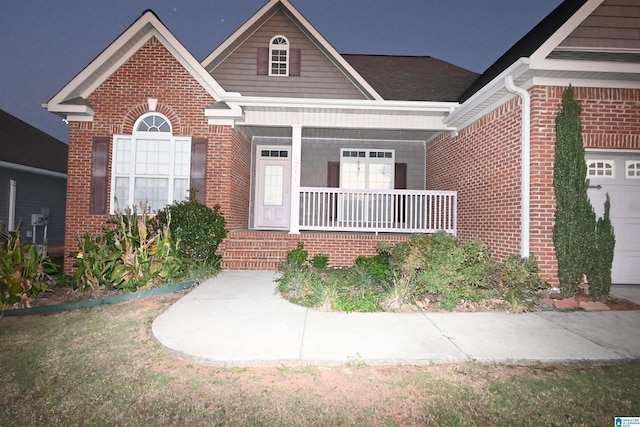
(605, 241)
(435, 267)
(25, 270)
(130, 254)
(320, 261)
(197, 229)
(517, 279)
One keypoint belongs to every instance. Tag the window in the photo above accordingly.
(633, 169)
(150, 166)
(600, 169)
(279, 56)
(366, 169)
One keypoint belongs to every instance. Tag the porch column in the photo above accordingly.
(296, 156)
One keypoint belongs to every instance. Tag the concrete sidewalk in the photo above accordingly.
(236, 319)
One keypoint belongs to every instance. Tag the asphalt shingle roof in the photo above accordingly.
(23, 144)
(412, 78)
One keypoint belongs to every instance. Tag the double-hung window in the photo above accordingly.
(150, 166)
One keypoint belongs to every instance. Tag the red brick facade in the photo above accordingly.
(120, 100)
(483, 164)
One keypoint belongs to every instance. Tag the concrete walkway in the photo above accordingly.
(236, 319)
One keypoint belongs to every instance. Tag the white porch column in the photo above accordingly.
(296, 163)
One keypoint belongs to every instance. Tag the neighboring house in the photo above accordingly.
(33, 181)
(298, 143)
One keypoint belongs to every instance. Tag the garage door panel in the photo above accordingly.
(625, 213)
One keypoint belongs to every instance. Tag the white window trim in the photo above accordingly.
(628, 163)
(605, 161)
(134, 138)
(286, 48)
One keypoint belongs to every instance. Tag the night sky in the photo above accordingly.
(45, 43)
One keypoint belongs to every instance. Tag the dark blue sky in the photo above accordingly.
(45, 43)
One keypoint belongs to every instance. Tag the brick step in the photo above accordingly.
(249, 265)
(258, 254)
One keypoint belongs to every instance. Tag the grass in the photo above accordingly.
(102, 367)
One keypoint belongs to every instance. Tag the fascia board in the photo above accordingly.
(275, 102)
(150, 25)
(31, 169)
(564, 31)
(588, 66)
(240, 32)
(456, 118)
(582, 82)
(244, 28)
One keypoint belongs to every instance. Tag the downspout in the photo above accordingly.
(525, 214)
(12, 205)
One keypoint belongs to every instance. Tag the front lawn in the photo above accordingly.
(102, 367)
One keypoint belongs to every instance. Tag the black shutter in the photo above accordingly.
(99, 171)
(333, 181)
(400, 183)
(199, 168)
(262, 61)
(294, 61)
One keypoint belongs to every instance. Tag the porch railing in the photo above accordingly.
(392, 211)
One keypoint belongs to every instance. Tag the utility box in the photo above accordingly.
(40, 219)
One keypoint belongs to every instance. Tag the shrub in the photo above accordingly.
(320, 261)
(197, 229)
(25, 270)
(296, 258)
(575, 222)
(605, 241)
(130, 254)
(517, 279)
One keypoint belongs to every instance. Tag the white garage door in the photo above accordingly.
(619, 175)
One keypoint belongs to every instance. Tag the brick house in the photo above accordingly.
(298, 143)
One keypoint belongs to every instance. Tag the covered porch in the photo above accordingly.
(327, 170)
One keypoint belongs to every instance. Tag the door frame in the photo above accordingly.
(261, 163)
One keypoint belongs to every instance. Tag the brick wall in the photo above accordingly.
(119, 101)
(483, 164)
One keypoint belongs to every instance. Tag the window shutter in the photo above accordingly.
(294, 61)
(333, 181)
(199, 168)
(99, 170)
(400, 183)
(262, 61)
(400, 176)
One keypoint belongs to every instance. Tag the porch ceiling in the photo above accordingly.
(337, 133)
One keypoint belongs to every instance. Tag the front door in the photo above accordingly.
(273, 187)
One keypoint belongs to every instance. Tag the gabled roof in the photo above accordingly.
(70, 102)
(263, 15)
(25, 145)
(412, 78)
(549, 56)
(527, 45)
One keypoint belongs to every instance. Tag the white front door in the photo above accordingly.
(619, 175)
(273, 187)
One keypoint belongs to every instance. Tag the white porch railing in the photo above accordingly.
(392, 211)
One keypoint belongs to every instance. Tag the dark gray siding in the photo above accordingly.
(34, 192)
(319, 77)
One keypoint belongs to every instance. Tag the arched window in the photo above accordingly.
(150, 166)
(279, 56)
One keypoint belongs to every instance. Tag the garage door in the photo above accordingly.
(619, 175)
